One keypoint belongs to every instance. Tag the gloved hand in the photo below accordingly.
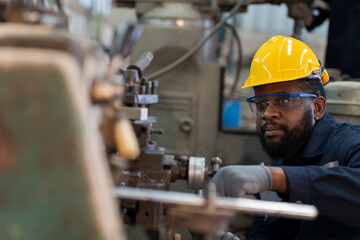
(221, 235)
(242, 181)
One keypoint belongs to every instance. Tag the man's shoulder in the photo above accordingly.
(336, 137)
(347, 130)
(349, 133)
(343, 144)
(341, 129)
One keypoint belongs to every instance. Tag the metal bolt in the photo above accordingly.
(142, 90)
(156, 131)
(131, 76)
(155, 86)
(215, 163)
(183, 158)
(149, 87)
(127, 87)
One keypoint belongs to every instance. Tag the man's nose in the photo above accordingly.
(270, 112)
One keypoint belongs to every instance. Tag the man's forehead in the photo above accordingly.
(283, 87)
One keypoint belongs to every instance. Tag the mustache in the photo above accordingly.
(263, 127)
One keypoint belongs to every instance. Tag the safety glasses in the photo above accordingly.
(280, 102)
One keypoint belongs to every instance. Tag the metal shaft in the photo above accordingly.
(282, 209)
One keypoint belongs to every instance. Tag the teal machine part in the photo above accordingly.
(54, 181)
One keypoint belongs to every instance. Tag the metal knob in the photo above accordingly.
(216, 163)
(131, 76)
(186, 125)
(183, 158)
(156, 131)
(196, 172)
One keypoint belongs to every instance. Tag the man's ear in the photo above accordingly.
(319, 107)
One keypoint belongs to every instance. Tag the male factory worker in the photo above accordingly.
(315, 159)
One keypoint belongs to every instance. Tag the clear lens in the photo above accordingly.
(278, 103)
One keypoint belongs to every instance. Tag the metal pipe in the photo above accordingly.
(271, 208)
(160, 196)
(198, 45)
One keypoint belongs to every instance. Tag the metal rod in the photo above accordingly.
(186, 199)
(271, 208)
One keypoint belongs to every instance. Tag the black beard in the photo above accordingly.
(289, 143)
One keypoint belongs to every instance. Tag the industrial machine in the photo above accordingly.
(55, 182)
(143, 183)
(197, 112)
(67, 176)
(149, 168)
(343, 100)
(193, 105)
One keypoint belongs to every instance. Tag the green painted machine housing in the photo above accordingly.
(54, 181)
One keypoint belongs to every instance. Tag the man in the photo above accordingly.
(315, 159)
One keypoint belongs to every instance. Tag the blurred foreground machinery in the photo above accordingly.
(54, 179)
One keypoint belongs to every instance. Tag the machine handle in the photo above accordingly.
(144, 61)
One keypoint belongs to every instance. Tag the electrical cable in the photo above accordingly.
(60, 6)
(240, 59)
(197, 46)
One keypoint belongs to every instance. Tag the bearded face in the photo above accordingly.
(284, 131)
(290, 141)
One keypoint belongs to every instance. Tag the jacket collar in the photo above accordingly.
(315, 145)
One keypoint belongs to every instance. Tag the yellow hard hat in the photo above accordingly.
(284, 59)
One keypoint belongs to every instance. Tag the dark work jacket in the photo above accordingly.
(335, 191)
(343, 47)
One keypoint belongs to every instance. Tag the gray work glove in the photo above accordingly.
(221, 235)
(242, 181)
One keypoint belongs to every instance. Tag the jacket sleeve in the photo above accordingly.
(334, 191)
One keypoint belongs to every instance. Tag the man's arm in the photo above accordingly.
(280, 182)
(334, 191)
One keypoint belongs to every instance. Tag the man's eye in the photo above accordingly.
(283, 101)
(260, 104)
